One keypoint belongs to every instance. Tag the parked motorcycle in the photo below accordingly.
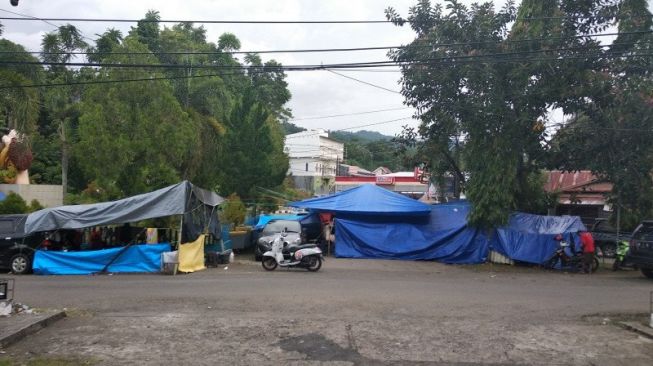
(283, 254)
(621, 258)
(572, 261)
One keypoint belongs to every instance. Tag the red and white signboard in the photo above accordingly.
(381, 180)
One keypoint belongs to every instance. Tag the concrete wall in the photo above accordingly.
(47, 195)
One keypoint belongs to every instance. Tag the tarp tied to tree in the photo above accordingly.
(484, 82)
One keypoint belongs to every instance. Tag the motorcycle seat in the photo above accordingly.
(295, 248)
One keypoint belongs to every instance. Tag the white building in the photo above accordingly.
(314, 158)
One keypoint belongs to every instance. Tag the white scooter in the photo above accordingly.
(282, 254)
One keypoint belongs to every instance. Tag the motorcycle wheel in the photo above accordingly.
(616, 265)
(551, 262)
(314, 264)
(269, 263)
(595, 264)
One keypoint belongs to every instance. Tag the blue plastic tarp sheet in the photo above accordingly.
(530, 238)
(367, 199)
(136, 258)
(264, 219)
(443, 236)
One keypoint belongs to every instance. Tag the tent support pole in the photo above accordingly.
(124, 249)
(181, 228)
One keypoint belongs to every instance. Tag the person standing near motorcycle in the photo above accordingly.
(587, 243)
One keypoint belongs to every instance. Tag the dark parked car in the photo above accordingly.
(16, 249)
(605, 237)
(306, 230)
(641, 248)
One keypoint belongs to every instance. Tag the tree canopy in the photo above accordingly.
(488, 81)
(122, 138)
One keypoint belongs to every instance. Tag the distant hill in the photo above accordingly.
(289, 128)
(362, 136)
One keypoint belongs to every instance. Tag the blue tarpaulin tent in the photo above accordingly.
(367, 199)
(530, 238)
(373, 223)
(444, 237)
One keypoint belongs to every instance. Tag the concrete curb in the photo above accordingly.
(10, 339)
(638, 328)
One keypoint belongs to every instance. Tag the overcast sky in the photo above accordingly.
(314, 93)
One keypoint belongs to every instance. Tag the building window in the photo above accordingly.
(306, 166)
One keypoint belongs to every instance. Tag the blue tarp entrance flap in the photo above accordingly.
(530, 238)
(444, 237)
(136, 258)
(367, 199)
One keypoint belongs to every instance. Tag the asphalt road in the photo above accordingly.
(351, 312)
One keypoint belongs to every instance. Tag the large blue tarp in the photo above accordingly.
(136, 258)
(367, 199)
(530, 238)
(443, 236)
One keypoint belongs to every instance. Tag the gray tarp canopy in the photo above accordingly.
(177, 199)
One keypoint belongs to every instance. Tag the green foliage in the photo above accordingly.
(253, 149)
(35, 205)
(108, 140)
(290, 128)
(362, 135)
(133, 135)
(147, 30)
(233, 210)
(19, 106)
(13, 204)
(496, 108)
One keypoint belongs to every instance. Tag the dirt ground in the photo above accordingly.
(352, 312)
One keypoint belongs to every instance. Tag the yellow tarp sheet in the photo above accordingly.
(191, 255)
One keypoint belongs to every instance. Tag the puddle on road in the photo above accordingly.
(317, 347)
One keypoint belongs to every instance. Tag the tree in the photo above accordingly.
(19, 107)
(254, 149)
(61, 103)
(133, 137)
(147, 30)
(228, 42)
(610, 133)
(269, 85)
(105, 44)
(495, 104)
(234, 210)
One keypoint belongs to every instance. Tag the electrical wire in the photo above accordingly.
(206, 21)
(311, 67)
(351, 49)
(347, 114)
(27, 16)
(364, 82)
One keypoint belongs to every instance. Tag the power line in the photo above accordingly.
(343, 67)
(347, 114)
(364, 82)
(350, 49)
(308, 67)
(30, 17)
(206, 21)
